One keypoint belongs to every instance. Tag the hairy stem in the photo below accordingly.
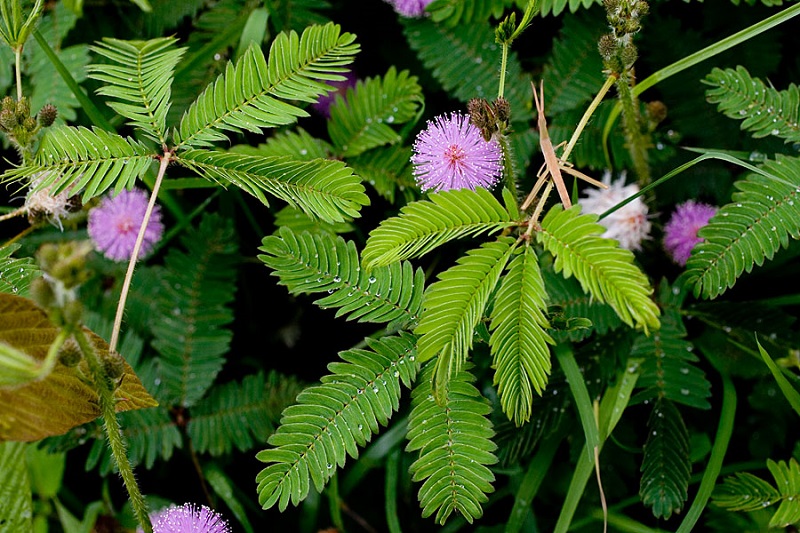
(126, 284)
(637, 142)
(503, 67)
(113, 430)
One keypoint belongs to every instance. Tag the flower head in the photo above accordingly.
(114, 225)
(188, 518)
(680, 233)
(410, 8)
(451, 154)
(322, 106)
(41, 205)
(629, 224)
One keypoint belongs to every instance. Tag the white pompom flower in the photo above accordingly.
(629, 225)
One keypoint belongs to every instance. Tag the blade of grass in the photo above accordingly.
(791, 394)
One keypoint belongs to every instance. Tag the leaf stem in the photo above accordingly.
(503, 67)
(126, 284)
(17, 70)
(116, 440)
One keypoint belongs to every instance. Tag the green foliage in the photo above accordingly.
(575, 71)
(15, 488)
(192, 314)
(362, 120)
(764, 110)
(668, 369)
(388, 170)
(285, 15)
(332, 419)
(321, 263)
(666, 467)
(453, 307)
(603, 269)
(16, 273)
(426, 224)
(469, 68)
(519, 338)
(240, 414)
(323, 189)
(249, 94)
(453, 12)
(455, 446)
(760, 219)
(297, 143)
(745, 492)
(139, 81)
(80, 159)
(556, 7)
(569, 302)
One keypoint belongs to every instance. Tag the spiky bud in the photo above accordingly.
(30, 124)
(70, 353)
(42, 292)
(656, 112)
(113, 367)
(502, 110)
(628, 56)
(73, 312)
(607, 46)
(23, 109)
(47, 115)
(8, 104)
(8, 120)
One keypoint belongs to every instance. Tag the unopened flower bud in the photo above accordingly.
(656, 112)
(30, 124)
(23, 109)
(629, 55)
(8, 120)
(8, 104)
(607, 46)
(70, 353)
(502, 109)
(47, 115)
(113, 367)
(73, 312)
(42, 293)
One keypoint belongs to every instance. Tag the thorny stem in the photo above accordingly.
(637, 142)
(126, 284)
(113, 430)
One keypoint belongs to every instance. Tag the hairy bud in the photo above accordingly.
(42, 293)
(47, 115)
(70, 353)
(8, 120)
(629, 55)
(502, 109)
(8, 104)
(23, 109)
(607, 46)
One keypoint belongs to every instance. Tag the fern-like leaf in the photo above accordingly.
(139, 81)
(388, 171)
(190, 333)
(363, 119)
(668, 369)
(238, 415)
(426, 224)
(321, 188)
(455, 446)
(455, 304)
(556, 7)
(519, 340)
(16, 273)
(746, 492)
(297, 143)
(250, 94)
(603, 269)
(319, 263)
(469, 68)
(763, 110)
(666, 467)
(761, 218)
(85, 160)
(333, 419)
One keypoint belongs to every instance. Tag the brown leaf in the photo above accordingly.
(62, 400)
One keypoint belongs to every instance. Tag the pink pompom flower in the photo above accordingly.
(188, 518)
(451, 153)
(114, 225)
(629, 224)
(410, 8)
(680, 233)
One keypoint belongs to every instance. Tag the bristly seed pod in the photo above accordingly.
(70, 353)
